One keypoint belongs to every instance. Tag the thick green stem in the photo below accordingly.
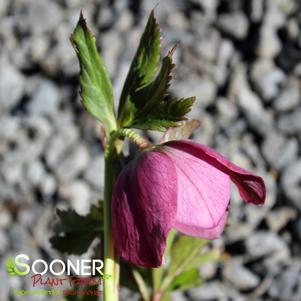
(111, 265)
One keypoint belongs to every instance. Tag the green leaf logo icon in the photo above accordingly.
(11, 268)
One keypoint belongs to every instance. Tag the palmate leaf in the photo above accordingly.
(147, 105)
(75, 233)
(95, 85)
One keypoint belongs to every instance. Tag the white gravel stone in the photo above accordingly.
(35, 172)
(46, 99)
(290, 97)
(74, 162)
(241, 277)
(79, 195)
(235, 24)
(12, 84)
(48, 185)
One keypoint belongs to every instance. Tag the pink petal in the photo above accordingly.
(216, 231)
(203, 194)
(144, 206)
(251, 187)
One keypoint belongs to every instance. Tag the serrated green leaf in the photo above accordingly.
(96, 88)
(186, 280)
(144, 65)
(168, 113)
(145, 104)
(153, 93)
(75, 233)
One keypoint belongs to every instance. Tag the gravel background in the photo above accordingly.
(241, 59)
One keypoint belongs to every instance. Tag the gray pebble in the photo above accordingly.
(48, 185)
(279, 218)
(278, 150)
(3, 242)
(78, 194)
(290, 181)
(269, 43)
(250, 104)
(59, 143)
(241, 277)
(291, 123)
(12, 84)
(46, 99)
(35, 172)
(36, 17)
(94, 173)
(209, 291)
(287, 285)
(263, 243)
(235, 24)
(289, 98)
(5, 218)
(74, 162)
(267, 78)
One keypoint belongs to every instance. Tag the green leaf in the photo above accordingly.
(141, 284)
(210, 256)
(145, 103)
(136, 278)
(183, 253)
(186, 280)
(96, 88)
(75, 233)
(167, 114)
(11, 267)
(144, 65)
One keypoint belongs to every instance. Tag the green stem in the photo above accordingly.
(111, 262)
(121, 133)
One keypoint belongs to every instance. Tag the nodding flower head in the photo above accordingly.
(179, 184)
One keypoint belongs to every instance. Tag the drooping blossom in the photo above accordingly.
(179, 184)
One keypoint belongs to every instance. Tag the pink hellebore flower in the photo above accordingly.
(178, 184)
